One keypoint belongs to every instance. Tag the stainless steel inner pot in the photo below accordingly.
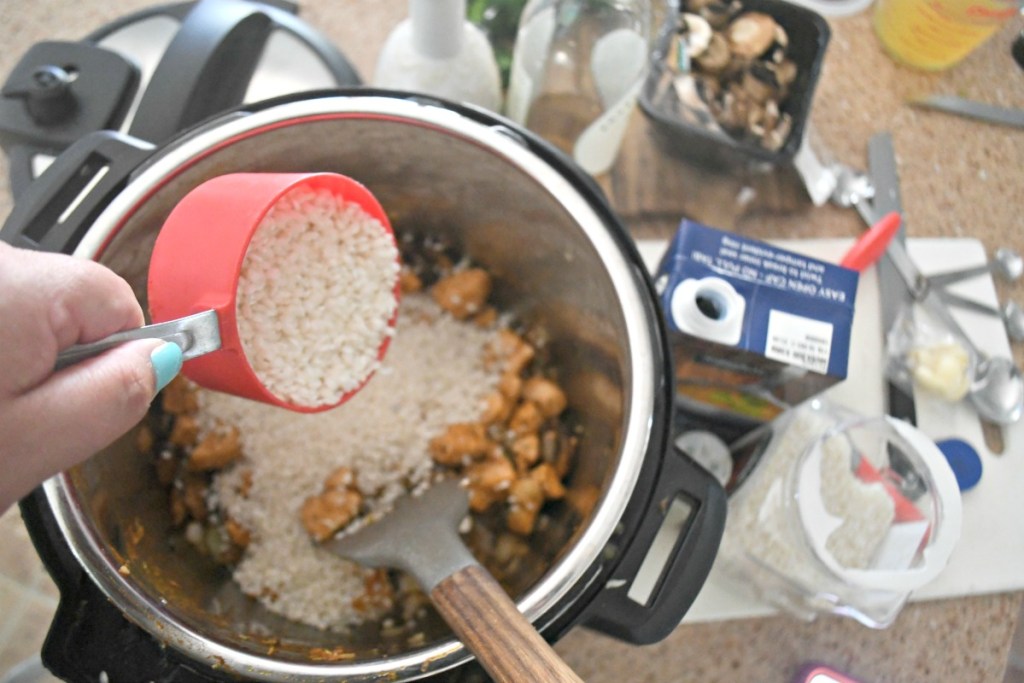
(555, 261)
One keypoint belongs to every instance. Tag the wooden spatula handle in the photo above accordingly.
(488, 623)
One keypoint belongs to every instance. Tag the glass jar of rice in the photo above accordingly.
(843, 514)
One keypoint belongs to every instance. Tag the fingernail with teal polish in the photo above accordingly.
(166, 360)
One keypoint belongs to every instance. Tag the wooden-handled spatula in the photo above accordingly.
(421, 537)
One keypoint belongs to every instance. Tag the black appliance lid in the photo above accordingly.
(157, 72)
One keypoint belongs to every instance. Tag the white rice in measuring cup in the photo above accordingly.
(315, 297)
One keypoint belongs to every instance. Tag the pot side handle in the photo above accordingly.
(90, 640)
(664, 566)
(55, 211)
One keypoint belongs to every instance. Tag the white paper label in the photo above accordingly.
(800, 341)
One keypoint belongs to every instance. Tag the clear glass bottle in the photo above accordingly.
(577, 69)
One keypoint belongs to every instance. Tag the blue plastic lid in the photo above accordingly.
(963, 460)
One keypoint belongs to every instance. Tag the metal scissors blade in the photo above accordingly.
(895, 291)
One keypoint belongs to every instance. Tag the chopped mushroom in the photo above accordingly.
(525, 499)
(497, 408)
(526, 451)
(488, 317)
(785, 73)
(341, 478)
(216, 451)
(463, 293)
(239, 535)
(717, 56)
(526, 419)
(481, 500)
(514, 352)
(495, 474)
(751, 34)
(179, 397)
(194, 497)
(756, 87)
(550, 483)
(185, 431)
(518, 361)
(510, 385)
(326, 514)
(696, 32)
(338, 504)
(563, 461)
(547, 396)
(459, 443)
(408, 281)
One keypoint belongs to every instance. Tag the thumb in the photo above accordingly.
(85, 407)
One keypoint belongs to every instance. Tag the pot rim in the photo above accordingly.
(573, 568)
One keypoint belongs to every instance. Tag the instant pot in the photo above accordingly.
(132, 608)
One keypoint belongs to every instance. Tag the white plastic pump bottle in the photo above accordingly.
(436, 51)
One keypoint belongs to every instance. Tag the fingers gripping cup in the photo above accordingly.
(302, 272)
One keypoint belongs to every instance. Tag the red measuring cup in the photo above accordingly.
(197, 262)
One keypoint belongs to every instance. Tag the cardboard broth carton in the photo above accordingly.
(755, 329)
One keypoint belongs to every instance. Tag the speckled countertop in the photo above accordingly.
(959, 178)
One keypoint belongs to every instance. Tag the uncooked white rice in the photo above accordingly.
(315, 297)
(432, 376)
(760, 529)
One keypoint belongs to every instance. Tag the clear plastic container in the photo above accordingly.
(843, 514)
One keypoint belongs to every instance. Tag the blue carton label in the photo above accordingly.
(748, 295)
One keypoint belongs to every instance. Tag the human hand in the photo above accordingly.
(51, 421)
